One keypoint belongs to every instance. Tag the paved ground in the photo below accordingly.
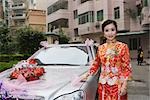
(138, 87)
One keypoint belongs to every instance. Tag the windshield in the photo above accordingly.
(63, 55)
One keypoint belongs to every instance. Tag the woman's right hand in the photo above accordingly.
(123, 88)
(85, 77)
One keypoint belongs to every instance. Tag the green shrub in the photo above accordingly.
(13, 57)
(6, 65)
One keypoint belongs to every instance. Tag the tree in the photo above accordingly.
(63, 39)
(6, 41)
(29, 40)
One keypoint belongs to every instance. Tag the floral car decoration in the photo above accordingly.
(29, 71)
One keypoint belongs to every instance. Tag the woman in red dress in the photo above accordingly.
(114, 58)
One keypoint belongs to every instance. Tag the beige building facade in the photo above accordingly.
(36, 19)
(81, 19)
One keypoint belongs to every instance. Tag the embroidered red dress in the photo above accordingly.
(115, 69)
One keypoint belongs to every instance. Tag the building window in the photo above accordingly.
(100, 15)
(76, 32)
(134, 43)
(86, 17)
(139, 9)
(61, 23)
(117, 13)
(56, 6)
(75, 14)
(145, 3)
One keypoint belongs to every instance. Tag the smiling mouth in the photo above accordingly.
(110, 36)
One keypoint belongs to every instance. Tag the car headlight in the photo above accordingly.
(76, 95)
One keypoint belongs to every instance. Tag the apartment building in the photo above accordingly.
(58, 16)
(139, 27)
(4, 17)
(24, 11)
(81, 19)
(1, 12)
(18, 10)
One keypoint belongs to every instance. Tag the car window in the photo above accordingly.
(63, 55)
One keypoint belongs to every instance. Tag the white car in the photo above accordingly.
(64, 65)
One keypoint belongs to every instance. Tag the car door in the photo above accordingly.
(91, 84)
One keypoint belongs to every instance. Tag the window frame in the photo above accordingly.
(100, 15)
(116, 12)
(134, 43)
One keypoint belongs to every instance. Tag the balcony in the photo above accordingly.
(18, 6)
(57, 31)
(60, 4)
(86, 28)
(19, 16)
(85, 7)
(60, 14)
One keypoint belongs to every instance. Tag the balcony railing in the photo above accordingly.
(18, 6)
(19, 16)
(58, 15)
(61, 4)
(86, 28)
(86, 7)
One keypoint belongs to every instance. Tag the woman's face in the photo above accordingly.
(110, 32)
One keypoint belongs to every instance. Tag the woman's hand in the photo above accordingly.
(123, 88)
(84, 77)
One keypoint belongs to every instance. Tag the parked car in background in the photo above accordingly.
(52, 73)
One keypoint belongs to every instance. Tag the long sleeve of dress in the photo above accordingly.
(95, 64)
(126, 65)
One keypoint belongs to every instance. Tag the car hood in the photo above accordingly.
(54, 80)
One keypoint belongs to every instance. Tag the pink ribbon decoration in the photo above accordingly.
(89, 42)
(44, 44)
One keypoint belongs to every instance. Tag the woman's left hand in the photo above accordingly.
(123, 89)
